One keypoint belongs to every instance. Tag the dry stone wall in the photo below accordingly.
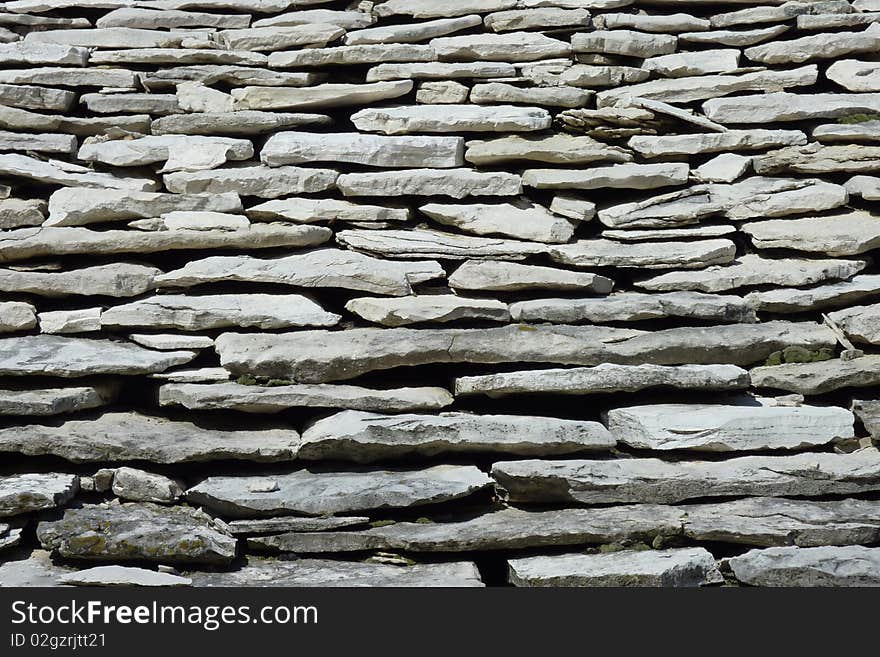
(415, 293)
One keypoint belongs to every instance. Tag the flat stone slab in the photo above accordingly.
(277, 398)
(415, 243)
(55, 401)
(317, 572)
(553, 149)
(720, 428)
(604, 378)
(819, 378)
(175, 152)
(311, 210)
(860, 323)
(134, 437)
(732, 140)
(213, 311)
(369, 437)
(411, 32)
(451, 118)
(349, 56)
(25, 493)
(320, 96)
(320, 356)
(781, 106)
(262, 181)
(840, 235)
(648, 480)
(257, 526)
(57, 172)
(752, 269)
(137, 532)
(327, 493)
(120, 279)
(370, 150)
(434, 308)
(656, 568)
(122, 576)
(51, 355)
(457, 183)
(34, 568)
(513, 47)
(644, 255)
(816, 46)
(854, 75)
(522, 220)
(17, 316)
(634, 306)
(616, 176)
(243, 122)
(869, 413)
(787, 300)
(814, 566)
(496, 276)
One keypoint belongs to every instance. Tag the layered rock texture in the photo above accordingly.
(411, 293)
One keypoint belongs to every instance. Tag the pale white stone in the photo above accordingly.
(322, 95)
(525, 220)
(445, 118)
(87, 320)
(511, 47)
(403, 311)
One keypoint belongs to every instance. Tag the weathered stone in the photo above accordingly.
(344, 19)
(322, 95)
(49, 355)
(194, 220)
(196, 375)
(70, 207)
(634, 306)
(198, 313)
(813, 566)
(122, 576)
(434, 244)
(108, 37)
(86, 320)
(166, 342)
(261, 181)
(735, 38)
(135, 437)
(243, 122)
(182, 152)
(327, 493)
(820, 377)
(781, 106)
(679, 65)
(525, 220)
(352, 55)
(310, 210)
(429, 9)
(30, 97)
(151, 19)
(276, 398)
(13, 141)
(647, 480)
(56, 172)
(689, 89)
(590, 76)
(869, 413)
(55, 401)
(319, 356)
(369, 437)
(70, 77)
(412, 32)
(403, 311)
(724, 168)
(258, 526)
(17, 212)
(444, 91)
(626, 176)
(499, 92)
(36, 242)
(604, 378)
(867, 131)
(440, 71)
(207, 54)
(837, 235)
(647, 255)
(817, 46)
(279, 37)
(25, 493)
(854, 75)
(512, 47)
(323, 268)
(32, 568)
(140, 486)
(17, 316)
(528, 19)
(457, 183)
(137, 532)
(650, 235)
(624, 42)
(444, 118)
(732, 140)
(573, 207)
(315, 572)
(752, 269)
(31, 52)
(155, 104)
(371, 150)
(555, 149)
(790, 300)
(679, 567)
(717, 428)
(116, 280)
(665, 23)
(494, 276)
(818, 159)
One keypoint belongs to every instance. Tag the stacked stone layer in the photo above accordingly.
(407, 293)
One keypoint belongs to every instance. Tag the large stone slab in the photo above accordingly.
(512, 47)
(752, 269)
(434, 244)
(17, 316)
(792, 300)
(37, 242)
(523, 220)
(280, 37)
(25, 493)
(257, 526)
(52, 355)
(623, 42)
(838, 235)
(316, 572)
(115, 280)
(451, 118)
(55, 401)
(854, 75)
(65, 76)
(781, 106)
(213, 311)
(429, 9)
(457, 183)
(353, 56)
(625, 176)
(320, 356)
(262, 181)
(323, 268)
(634, 306)
(860, 323)
(678, 65)
(500, 92)
(303, 210)
(868, 411)
(496, 276)
(813, 566)
(816, 46)
(681, 567)
(553, 149)
(177, 152)
(137, 532)
(32, 52)
(648, 480)
(819, 378)
(434, 308)
(135, 437)
(319, 96)
(820, 159)
(243, 122)
(327, 493)
(644, 255)
(276, 398)
(16, 165)
(604, 378)
(370, 437)
(430, 70)
(719, 428)
(411, 32)
(370, 150)
(715, 142)
(122, 576)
